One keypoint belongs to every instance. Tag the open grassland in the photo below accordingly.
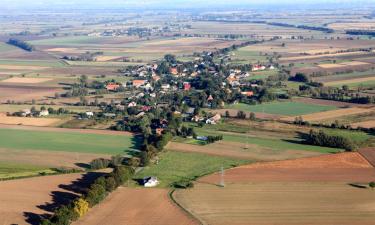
(178, 166)
(284, 108)
(280, 203)
(246, 55)
(24, 201)
(137, 206)
(66, 141)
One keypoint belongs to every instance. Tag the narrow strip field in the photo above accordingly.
(320, 116)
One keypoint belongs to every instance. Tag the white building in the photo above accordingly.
(150, 181)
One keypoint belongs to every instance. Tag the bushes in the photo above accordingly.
(81, 206)
(321, 138)
(213, 139)
(183, 184)
(66, 214)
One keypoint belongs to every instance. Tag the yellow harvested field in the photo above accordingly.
(344, 64)
(28, 121)
(320, 51)
(105, 58)
(25, 80)
(319, 56)
(354, 63)
(350, 81)
(352, 26)
(331, 66)
(279, 203)
(320, 116)
(64, 50)
(16, 67)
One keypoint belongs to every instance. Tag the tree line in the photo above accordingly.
(21, 44)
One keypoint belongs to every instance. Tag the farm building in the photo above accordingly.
(214, 119)
(44, 113)
(112, 87)
(150, 181)
(139, 83)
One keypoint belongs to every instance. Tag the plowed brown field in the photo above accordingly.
(137, 206)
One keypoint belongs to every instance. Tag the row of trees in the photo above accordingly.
(21, 44)
(102, 186)
(321, 138)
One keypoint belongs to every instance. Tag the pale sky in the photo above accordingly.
(165, 3)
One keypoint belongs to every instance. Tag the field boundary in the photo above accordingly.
(186, 211)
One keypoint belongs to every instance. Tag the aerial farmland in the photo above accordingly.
(171, 112)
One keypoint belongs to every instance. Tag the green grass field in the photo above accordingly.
(246, 55)
(13, 170)
(68, 142)
(176, 166)
(43, 63)
(283, 108)
(274, 143)
(5, 47)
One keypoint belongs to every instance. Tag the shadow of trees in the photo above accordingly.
(65, 195)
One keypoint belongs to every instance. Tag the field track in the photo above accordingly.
(137, 206)
(369, 154)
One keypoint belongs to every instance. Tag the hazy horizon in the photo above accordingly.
(171, 4)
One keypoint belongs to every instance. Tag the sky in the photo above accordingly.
(163, 3)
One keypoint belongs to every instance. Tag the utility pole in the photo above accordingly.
(222, 183)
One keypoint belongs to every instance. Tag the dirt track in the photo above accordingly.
(137, 206)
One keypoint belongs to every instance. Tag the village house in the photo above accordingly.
(26, 112)
(173, 71)
(150, 181)
(165, 87)
(89, 114)
(214, 119)
(132, 104)
(112, 87)
(44, 113)
(139, 83)
(187, 86)
(247, 93)
(258, 68)
(159, 131)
